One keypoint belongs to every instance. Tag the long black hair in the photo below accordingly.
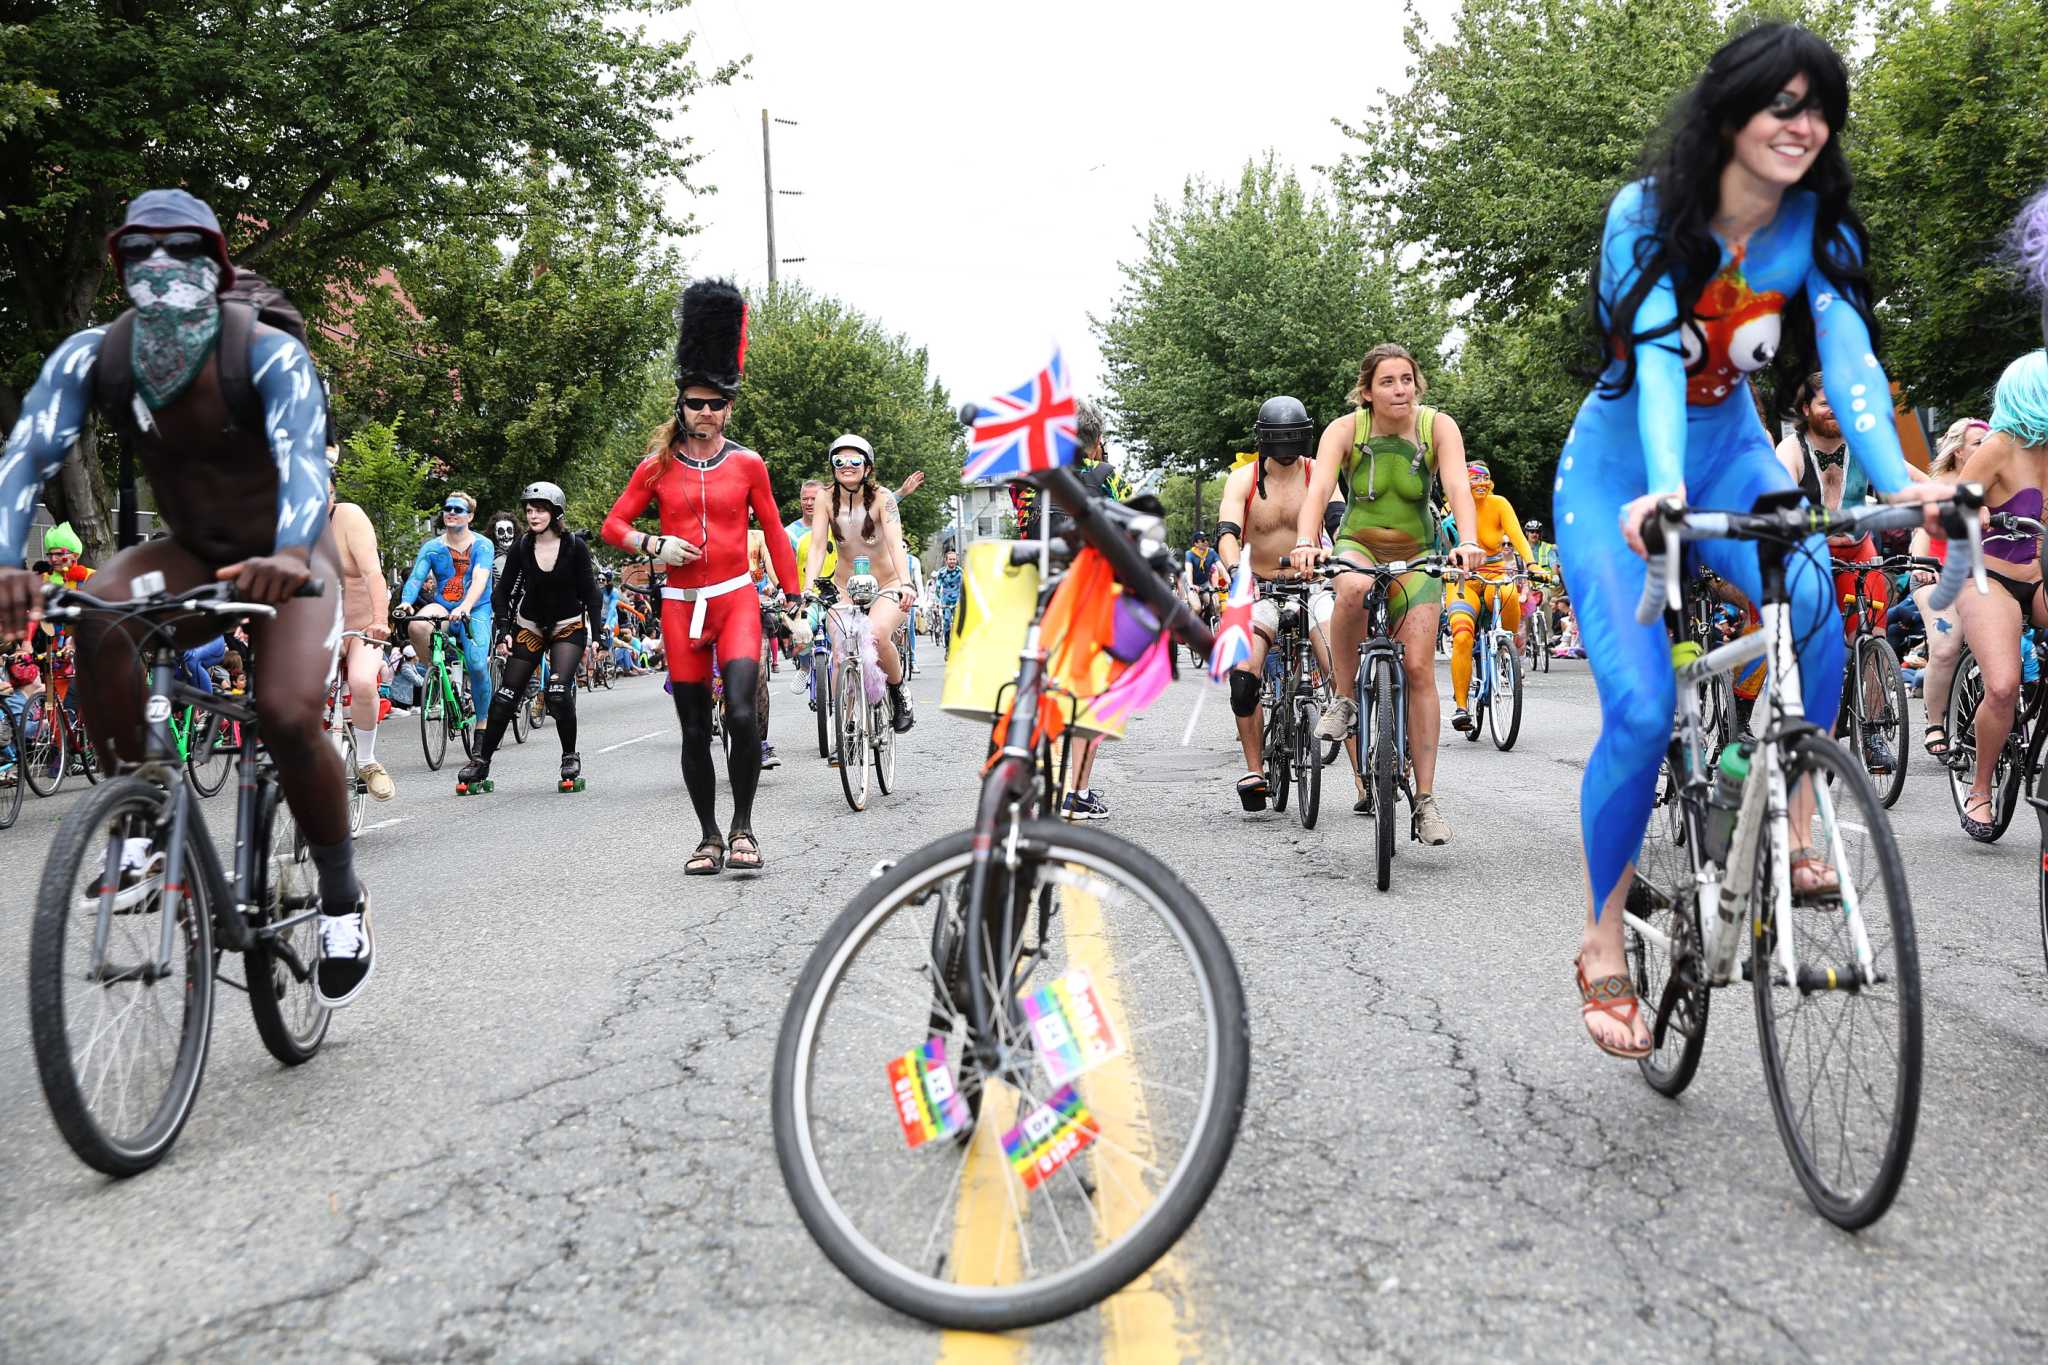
(1684, 170)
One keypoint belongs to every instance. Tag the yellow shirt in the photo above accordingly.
(803, 550)
(1498, 528)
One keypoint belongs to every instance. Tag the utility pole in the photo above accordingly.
(768, 192)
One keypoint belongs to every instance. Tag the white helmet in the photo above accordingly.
(542, 491)
(851, 442)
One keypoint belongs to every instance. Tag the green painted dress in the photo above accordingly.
(1388, 516)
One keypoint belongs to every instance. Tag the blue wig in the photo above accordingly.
(2020, 407)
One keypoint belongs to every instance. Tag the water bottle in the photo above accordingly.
(1724, 802)
(860, 564)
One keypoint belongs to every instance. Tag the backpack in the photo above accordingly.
(252, 300)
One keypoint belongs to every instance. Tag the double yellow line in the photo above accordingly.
(1154, 1318)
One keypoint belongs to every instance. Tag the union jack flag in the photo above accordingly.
(1234, 629)
(1027, 429)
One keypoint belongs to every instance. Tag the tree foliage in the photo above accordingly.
(328, 135)
(1243, 293)
(1951, 136)
(387, 481)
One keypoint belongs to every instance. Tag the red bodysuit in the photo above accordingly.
(707, 504)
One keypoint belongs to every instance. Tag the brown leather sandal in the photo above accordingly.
(1614, 996)
(741, 844)
(1819, 872)
(706, 860)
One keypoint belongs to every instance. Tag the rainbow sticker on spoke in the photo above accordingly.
(1067, 1023)
(1050, 1136)
(921, 1086)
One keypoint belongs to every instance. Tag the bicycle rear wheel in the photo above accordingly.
(882, 738)
(1965, 695)
(1308, 764)
(120, 1049)
(1504, 715)
(84, 756)
(289, 1016)
(44, 741)
(352, 776)
(462, 719)
(1385, 763)
(12, 785)
(1662, 897)
(1110, 1166)
(433, 728)
(1841, 1052)
(206, 761)
(849, 715)
(520, 723)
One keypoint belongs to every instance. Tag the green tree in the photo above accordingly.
(516, 356)
(387, 481)
(1243, 293)
(1177, 498)
(327, 135)
(1950, 137)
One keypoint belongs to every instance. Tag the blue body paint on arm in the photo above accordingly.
(51, 417)
(295, 424)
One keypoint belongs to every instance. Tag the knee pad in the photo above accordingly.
(1244, 693)
(558, 701)
(502, 706)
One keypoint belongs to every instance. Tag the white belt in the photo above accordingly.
(702, 595)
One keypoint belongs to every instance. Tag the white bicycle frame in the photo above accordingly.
(1721, 895)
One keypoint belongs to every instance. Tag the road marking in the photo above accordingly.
(983, 1251)
(651, 734)
(387, 824)
(1153, 1318)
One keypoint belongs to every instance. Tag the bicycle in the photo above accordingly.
(519, 712)
(1292, 706)
(128, 933)
(11, 783)
(863, 739)
(1497, 666)
(1059, 1022)
(206, 746)
(1538, 621)
(335, 720)
(1828, 968)
(2019, 765)
(444, 706)
(1380, 760)
(1874, 663)
(820, 677)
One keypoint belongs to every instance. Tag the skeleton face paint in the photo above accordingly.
(177, 320)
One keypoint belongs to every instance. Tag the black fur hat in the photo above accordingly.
(711, 341)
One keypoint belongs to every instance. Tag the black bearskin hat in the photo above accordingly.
(711, 341)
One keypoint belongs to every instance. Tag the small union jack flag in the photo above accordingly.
(1027, 429)
(1234, 629)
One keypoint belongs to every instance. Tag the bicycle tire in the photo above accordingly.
(206, 763)
(1189, 1184)
(822, 701)
(433, 734)
(1839, 776)
(2040, 870)
(763, 693)
(84, 753)
(1894, 719)
(1279, 749)
(847, 713)
(521, 721)
(1385, 763)
(1308, 764)
(289, 1016)
(352, 776)
(45, 745)
(12, 785)
(1965, 695)
(463, 721)
(135, 803)
(1662, 895)
(882, 739)
(1507, 693)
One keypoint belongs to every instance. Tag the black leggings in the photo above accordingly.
(742, 761)
(565, 656)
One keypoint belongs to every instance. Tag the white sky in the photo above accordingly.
(973, 173)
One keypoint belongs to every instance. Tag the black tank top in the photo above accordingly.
(1809, 473)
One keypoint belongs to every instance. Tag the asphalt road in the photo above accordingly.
(542, 1134)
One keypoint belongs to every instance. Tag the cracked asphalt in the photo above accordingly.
(542, 1134)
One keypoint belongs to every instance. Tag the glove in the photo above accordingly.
(799, 634)
(669, 550)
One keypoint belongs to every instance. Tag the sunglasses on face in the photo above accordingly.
(455, 509)
(135, 247)
(848, 461)
(700, 404)
(1785, 106)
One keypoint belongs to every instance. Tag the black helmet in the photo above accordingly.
(1283, 429)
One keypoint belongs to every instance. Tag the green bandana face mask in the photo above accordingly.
(177, 320)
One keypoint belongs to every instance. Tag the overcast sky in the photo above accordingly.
(973, 173)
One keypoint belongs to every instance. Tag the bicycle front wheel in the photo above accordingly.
(1965, 696)
(519, 720)
(822, 701)
(1662, 897)
(1841, 1043)
(1882, 709)
(1279, 747)
(433, 729)
(1308, 764)
(1385, 763)
(352, 778)
(1022, 1190)
(289, 1016)
(1504, 717)
(849, 715)
(882, 739)
(120, 1031)
(44, 738)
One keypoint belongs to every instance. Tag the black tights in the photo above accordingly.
(565, 656)
(743, 760)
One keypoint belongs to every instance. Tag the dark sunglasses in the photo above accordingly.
(1784, 107)
(459, 509)
(135, 247)
(699, 404)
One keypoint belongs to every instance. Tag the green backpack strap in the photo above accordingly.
(1425, 439)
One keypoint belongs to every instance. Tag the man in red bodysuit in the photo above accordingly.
(701, 487)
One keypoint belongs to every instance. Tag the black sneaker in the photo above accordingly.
(1093, 807)
(348, 955)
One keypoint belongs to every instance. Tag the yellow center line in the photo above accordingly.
(984, 1244)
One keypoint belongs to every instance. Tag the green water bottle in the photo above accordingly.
(1724, 802)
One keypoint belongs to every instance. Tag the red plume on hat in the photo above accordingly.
(711, 340)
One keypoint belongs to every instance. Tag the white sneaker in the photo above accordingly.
(1337, 722)
(1429, 825)
(348, 956)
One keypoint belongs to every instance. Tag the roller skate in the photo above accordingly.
(475, 778)
(572, 773)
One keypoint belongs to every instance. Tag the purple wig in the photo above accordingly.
(2030, 250)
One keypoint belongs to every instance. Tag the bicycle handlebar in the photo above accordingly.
(216, 599)
(1434, 565)
(1671, 523)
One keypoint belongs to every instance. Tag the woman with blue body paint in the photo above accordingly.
(1738, 251)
